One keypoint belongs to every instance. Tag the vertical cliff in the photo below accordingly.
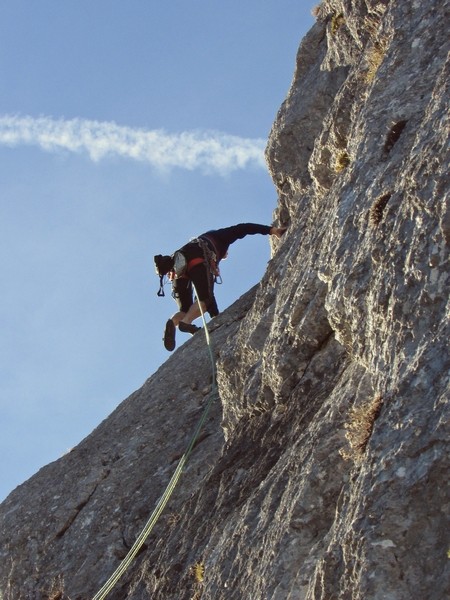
(322, 472)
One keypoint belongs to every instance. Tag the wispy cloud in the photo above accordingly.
(205, 150)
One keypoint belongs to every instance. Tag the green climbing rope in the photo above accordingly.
(123, 566)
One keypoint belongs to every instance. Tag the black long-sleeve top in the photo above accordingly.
(219, 240)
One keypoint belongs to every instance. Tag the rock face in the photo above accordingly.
(322, 472)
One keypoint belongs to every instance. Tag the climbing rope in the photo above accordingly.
(123, 566)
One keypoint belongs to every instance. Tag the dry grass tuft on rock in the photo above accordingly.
(336, 22)
(359, 428)
(317, 11)
(342, 162)
(374, 58)
(198, 571)
(377, 209)
(173, 519)
(372, 26)
(57, 590)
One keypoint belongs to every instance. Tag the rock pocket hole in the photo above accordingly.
(393, 136)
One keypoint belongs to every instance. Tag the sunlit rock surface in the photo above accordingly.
(322, 471)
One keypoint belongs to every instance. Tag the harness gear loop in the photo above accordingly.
(160, 292)
(211, 262)
(210, 256)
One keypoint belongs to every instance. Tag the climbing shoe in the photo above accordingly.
(169, 336)
(188, 328)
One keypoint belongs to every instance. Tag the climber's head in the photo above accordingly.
(163, 264)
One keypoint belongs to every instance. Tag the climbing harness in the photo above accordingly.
(177, 265)
(210, 257)
(123, 566)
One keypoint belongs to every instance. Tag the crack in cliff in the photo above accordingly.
(76, 511)
(201, 438)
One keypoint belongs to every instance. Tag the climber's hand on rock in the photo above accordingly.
(277, 231)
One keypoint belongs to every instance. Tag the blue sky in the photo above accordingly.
(125, 129)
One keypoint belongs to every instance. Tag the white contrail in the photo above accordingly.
(208, 150)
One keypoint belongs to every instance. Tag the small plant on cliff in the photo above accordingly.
(372, 26)
(317, 11)
(336, 22)
(342, 162)
(198, 571)
(375, 58)
(173, 519)
(359, 428)
(377, 209)
(57, 590)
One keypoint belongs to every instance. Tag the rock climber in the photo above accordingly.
(197, 264)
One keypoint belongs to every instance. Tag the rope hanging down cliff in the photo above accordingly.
(123, 566)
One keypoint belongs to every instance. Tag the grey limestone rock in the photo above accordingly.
(322, 471)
